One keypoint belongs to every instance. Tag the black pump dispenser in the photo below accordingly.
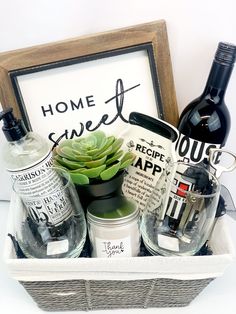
(12, 128)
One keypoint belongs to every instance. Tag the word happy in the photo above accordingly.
(147, 165)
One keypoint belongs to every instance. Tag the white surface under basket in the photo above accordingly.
(134, 268)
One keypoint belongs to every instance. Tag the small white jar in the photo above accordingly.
(113, 227)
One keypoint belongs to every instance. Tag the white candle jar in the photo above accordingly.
(113, 227)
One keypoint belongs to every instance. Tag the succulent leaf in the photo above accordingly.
(116, 145)
(110, 172)
(95, 163)
(89, 142)
(82, 157)
(77, 147)
(79, 178)
(93, 157)
(58, 165)
(72, 164)
(78, 170)
(115, 157)
(127, 160)
(101, 138)
(126, 163)
(68, 163)
(96, 152)
(66, 152)
(105, 152)
(67, 143)
(93, 172)
(128, 155)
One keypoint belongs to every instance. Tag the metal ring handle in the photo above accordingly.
(219, 168)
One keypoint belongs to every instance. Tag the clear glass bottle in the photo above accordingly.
(49, 219)
(27, 156)
(24, 149)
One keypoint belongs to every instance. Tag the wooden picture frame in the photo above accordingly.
(150, 38)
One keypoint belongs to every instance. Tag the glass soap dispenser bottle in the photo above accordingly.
(49, 220)
(26, 152)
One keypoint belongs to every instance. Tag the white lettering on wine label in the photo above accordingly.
(190, 150)
(168, 243)
(113, 248)
(57, 247)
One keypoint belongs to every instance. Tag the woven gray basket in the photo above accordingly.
(84, 295)
(84, 284)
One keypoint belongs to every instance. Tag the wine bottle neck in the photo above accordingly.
(218, 79)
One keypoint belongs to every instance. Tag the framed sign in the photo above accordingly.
(67, 88)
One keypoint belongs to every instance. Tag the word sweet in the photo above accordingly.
(105, 119)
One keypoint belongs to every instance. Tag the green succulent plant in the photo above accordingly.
(93, 158)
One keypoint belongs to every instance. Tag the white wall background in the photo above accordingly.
(194, 30)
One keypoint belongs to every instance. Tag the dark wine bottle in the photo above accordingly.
(205, 122)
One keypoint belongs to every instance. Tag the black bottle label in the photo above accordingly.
(193, 151)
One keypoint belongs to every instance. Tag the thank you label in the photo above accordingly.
(113, 248)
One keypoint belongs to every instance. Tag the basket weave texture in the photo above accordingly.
(85, 284)
(85, 295)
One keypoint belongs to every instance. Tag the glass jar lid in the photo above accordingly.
(112, 211)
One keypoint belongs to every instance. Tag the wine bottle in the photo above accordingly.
(205, 122)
